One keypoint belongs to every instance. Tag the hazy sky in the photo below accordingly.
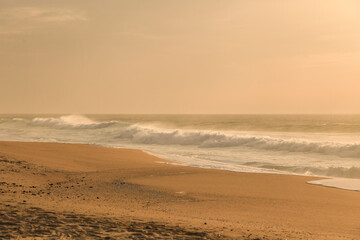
(185, 56)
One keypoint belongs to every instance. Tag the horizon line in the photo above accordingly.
(178, 113)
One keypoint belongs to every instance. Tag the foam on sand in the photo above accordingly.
(342, 183)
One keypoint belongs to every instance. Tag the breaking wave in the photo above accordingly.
(70, 122)
(213, 139)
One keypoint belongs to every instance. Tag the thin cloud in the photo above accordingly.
(22, 20)
(141, 35)
(344, 59)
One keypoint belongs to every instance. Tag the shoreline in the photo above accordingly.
(341, 183)
(128, 185)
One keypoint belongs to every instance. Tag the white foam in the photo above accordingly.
(18, 119)
(342, 183)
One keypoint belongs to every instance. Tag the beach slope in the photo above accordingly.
(83, 191)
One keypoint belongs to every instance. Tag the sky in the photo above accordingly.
(180, 57)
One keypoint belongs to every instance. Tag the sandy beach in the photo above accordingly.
(53, 190)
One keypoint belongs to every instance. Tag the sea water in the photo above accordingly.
(311, 145)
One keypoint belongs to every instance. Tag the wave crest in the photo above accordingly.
(70, 121)
(211, 139)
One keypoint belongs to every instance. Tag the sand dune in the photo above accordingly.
(51, 190)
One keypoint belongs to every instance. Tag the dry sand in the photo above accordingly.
(52, 190)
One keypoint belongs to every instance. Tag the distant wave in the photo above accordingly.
(214, 139)
(70, 122)
(18, 119)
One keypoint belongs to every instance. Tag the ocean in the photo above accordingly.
(311, 145)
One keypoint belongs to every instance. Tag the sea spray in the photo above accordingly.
(70, 121)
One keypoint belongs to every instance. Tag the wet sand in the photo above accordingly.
(52, 190)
